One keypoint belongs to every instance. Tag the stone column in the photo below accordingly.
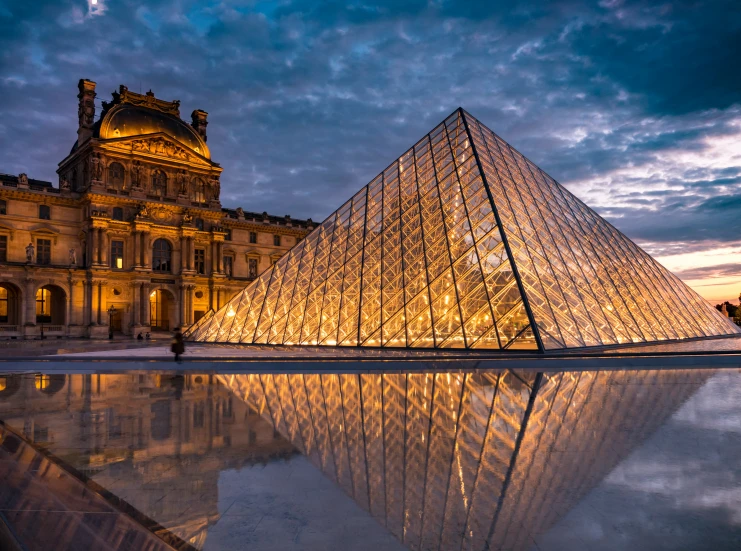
(70, 303)
(95, 246)
(182, 305)
(105, 240)
(99, 306)
(191, 251)
(190, 304)
(145, 293)
(137, 257)
(144, 253)
(213, 258)
(30, 302)
(136, 302)
(87, 303)
(218, 298)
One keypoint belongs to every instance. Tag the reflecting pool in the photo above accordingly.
(616, 460)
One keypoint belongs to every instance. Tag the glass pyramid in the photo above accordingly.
(462, 242)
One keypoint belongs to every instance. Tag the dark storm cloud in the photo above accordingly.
(309, 100)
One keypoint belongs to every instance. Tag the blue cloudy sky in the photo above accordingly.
(634, 106)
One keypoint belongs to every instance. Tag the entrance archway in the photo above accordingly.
(161, 310)
(10, 304)
(51, 305)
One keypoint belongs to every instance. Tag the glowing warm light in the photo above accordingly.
(119, 263)
(380, 270)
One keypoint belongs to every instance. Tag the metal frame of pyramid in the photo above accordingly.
(462, 242)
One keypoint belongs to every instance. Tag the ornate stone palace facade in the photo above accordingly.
(135, 235)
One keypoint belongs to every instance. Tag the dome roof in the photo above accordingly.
(127, 120)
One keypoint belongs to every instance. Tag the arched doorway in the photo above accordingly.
(51, 305)
(161, 310)
(10, 304)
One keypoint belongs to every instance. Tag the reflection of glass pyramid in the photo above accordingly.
(462, 242)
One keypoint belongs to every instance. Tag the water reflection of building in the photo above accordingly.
(157, 442)
(468, 460)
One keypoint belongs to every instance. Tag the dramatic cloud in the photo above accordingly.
(632, 105)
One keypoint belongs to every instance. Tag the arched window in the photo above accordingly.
(159, 183)
(199, 191)
(161, 256)
(116, 175)
(117, 213)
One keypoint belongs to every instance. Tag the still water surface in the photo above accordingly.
(608, 460)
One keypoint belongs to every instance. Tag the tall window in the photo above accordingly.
(45, 212)
(116, 175)
(253, 237)
(228, 236)
(3, 206)
(117, 255)
(252, 267)
(276, 240)
(200, 260)
(117, 213)
(3, 305)
(3, 248)
(161, 256)
(159, 183)
(43, 251)
(228, 265)
(43, 306)
(199, 191)
(199, 224)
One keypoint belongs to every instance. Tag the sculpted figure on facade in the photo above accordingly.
(181, 183)
(23, 179)
(143, 212)
(73, 257)
(215, 188)
(187, 218)
(29, 252)
(64, 184)
(240, 212)
(96, 168)
(136, 175)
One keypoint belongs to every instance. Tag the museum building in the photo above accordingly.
(134, 237)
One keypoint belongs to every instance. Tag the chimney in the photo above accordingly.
(200, 122)
(85, 110)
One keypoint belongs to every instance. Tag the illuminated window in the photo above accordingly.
(43, 306)
(44, 212)
(252, 267)
(253, 237)
(116, 175)
(161, 256)
(276, 240)
(3, 248)
(199, 191)
(42, 382)
(117, 213)
(200, 261)
(117, 251)
(43, 252)
(3, 305)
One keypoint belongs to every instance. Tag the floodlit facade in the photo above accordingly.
(462, 242)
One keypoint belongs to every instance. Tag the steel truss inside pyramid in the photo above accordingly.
(463, 242)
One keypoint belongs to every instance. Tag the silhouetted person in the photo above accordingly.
(139, 337)
(178, 346)
(148, 335)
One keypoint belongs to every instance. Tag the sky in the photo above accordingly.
(634, 106)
